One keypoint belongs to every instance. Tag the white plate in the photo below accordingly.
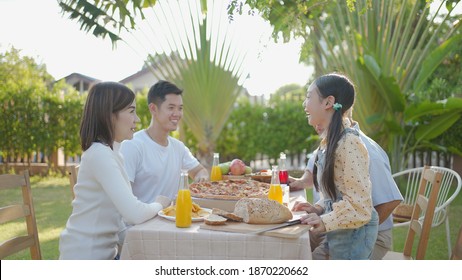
(170, 218)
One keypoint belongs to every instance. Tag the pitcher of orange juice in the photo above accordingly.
(183, 202)
(275, 191)
(216, 175)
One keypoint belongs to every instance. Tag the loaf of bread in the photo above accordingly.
(262, 211)
(226, 214)
(214, 220)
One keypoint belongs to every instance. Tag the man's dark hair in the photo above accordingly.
(158, 91)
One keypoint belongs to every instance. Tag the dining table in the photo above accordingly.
(159, 238)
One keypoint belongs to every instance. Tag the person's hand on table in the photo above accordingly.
(296, 185)
(317, 225)
(201, 176)
(304, 206)
(306, 181)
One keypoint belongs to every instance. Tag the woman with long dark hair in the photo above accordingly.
(345, 212)
(103, 194)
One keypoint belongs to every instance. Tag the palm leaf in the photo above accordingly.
(200, 56)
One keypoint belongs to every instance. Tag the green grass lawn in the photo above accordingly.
(52, 199)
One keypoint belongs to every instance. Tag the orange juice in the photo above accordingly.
(183, 208)
(275, 193)
(215, 173)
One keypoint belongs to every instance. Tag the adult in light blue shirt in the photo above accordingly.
(385, 193)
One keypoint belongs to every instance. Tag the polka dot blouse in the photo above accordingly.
(352, 180)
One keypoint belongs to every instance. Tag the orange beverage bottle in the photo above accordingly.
(275, 191)
(183, 217)
(215, 174)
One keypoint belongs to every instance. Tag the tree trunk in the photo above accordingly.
(205, 155)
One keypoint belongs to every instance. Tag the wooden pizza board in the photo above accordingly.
(287, 232)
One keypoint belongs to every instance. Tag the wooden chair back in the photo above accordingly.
(72, 171)
(431, 178)
(13, 212)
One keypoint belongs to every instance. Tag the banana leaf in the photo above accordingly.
(388, 86)
(434, 59)
(389, 49)
(437, 126)
(416, 111)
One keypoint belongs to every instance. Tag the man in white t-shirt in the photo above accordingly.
(385, 193)
(154, 159)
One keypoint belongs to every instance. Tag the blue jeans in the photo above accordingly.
(353, 244)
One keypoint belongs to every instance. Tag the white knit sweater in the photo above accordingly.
(103, 197)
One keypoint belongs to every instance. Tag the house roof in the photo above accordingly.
(130, 78)
(78, 76)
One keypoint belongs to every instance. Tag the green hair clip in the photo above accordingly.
(337, 106)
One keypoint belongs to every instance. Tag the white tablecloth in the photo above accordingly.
(159, 238)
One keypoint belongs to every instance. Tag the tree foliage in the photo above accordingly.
(390, 49)
(69, 108)
(105, 17)
(36, 116)
(256, 129)
(202, 59)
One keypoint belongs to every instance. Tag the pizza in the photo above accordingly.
(229, 189)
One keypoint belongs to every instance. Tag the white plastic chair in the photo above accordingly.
(408, 181)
